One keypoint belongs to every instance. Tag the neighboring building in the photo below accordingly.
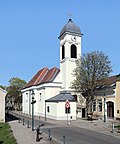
(2, 105)
(107, 98)
(117, 100)
(52, 86)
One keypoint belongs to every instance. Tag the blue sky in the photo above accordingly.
(29, 31)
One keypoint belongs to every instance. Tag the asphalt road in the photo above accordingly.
(75, 135)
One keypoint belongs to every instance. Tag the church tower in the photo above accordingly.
(70, 51)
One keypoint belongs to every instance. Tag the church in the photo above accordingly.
(50, 88)
(52, 93)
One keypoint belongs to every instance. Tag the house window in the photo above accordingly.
(67, 110)
(94, 105)
(75, 96)
(63, 52)
(40, 97)
(100, 105)
(73, 51)
(26, 97)
(48, 109)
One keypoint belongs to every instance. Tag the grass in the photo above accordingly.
(6, 135)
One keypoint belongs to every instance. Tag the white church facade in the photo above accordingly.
(52, 86)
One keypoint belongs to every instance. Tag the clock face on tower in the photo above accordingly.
(73, 38)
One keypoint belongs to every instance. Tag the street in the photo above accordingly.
(73, 134)
(82, 136)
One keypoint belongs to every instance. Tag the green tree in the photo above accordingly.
(14, 91)
(3, 87)
(15, 81)
(91, 68)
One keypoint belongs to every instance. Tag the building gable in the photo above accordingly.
(44, 75)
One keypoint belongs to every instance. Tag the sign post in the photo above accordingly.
(67, 106)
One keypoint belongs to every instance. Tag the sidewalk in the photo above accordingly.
(25, 135)
(98, 126)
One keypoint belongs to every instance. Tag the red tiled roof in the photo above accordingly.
(43, 76)
(109, 82)
(112, 79)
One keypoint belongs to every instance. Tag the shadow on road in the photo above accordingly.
(10, 117)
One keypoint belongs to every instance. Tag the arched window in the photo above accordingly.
(73, 51)
(63, 51)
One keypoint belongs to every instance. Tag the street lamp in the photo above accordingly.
(104, 108)
(33, 102)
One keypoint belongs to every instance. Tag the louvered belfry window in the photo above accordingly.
(73, 51)
(63, 51)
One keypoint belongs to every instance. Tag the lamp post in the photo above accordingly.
(104, 108)
(33, 102)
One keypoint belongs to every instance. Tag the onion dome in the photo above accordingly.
(71, 28)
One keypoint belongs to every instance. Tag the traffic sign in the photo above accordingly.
(67, 104)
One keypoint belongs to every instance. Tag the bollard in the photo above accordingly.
(63, 139)
(49, 134)
(19, 120)
(39, 117)
(112, 127)
(23, 121)
(69, 122)
(28, 124)
(38, 132)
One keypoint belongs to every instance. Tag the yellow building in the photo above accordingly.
(107, 101)
(117, 100)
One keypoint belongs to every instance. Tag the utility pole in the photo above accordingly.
(33, 102)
